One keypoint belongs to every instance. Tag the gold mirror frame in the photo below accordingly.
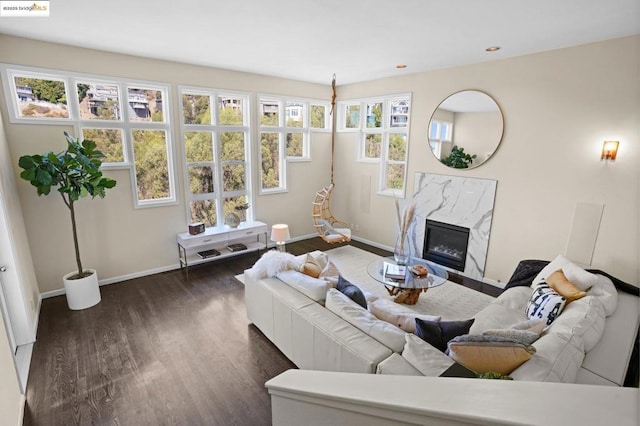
(467, 119)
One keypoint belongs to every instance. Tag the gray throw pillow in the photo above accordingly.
(351, 291)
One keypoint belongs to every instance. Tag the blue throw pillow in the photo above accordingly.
(438, 333)
(351, 291)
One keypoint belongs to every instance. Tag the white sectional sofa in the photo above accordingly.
(318, 328)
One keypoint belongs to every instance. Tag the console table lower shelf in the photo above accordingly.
(220, 242)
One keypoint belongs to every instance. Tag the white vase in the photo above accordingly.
(82, 293)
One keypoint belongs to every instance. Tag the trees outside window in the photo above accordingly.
(285, 131)
(381, 125)
(215, 138)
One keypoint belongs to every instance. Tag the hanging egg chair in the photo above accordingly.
(329, 228)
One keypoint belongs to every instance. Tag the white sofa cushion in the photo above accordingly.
(514, 298)
(583, 317)
(505, 311)
(610, 358)
(425, 358)
(396, 365)
(385, 333)
(313, 288)
(327, 342)
(557, 359)
(606, 293)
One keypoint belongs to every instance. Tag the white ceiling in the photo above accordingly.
(311, 40)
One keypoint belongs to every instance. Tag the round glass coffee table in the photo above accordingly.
(408, 288)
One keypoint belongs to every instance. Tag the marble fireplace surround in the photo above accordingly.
(456, 200)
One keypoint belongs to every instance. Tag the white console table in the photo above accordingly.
(251, 234)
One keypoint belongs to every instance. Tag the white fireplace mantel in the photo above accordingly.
(461, 201)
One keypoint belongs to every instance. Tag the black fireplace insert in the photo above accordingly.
(446, 244)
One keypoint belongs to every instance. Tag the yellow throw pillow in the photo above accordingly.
(565, 288)
(484, 356)
(311, 267)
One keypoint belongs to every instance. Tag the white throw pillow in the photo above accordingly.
(577, 275)
(389, 311)
(582, 279)
(273, 262)
(385, 333)
(555, 264)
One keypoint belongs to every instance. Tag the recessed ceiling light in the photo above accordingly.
(401, 66)
(492, 48)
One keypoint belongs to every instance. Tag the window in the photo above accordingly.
(215, 137)
(285, 131)
(38, 96)
(383, 136)
(124, 118)
(439, 132)
(127, 123)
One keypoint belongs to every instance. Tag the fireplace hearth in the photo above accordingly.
(446, 244)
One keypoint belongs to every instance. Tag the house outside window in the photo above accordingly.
(125, 118)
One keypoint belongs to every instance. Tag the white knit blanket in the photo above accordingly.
(451, 301)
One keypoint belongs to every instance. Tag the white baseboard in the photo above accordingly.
(23, 403)
(118, 279)
(372, 243)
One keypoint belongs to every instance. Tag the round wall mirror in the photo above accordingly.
(466, 129)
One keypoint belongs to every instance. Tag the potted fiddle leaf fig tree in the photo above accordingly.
(75, 173)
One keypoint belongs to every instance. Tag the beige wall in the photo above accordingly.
(478, 133)
(115, 238)
(559, 107)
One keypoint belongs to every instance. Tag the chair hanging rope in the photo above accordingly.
(333, 123)
(329, 228)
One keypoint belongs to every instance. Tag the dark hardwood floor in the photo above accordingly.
(157, 350)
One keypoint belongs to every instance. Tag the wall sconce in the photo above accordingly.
(280, 234)
(609, 150)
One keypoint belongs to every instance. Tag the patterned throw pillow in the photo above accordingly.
(545, 303)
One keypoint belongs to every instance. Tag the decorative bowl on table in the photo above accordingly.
(419, 270)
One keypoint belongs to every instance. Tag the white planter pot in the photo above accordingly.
(82, 293)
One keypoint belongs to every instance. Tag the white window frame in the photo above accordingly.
(10, 72)
(385, 131)
(327, 116)
(123, 123)
(218, 195)
(282, 129)
(436, 143)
